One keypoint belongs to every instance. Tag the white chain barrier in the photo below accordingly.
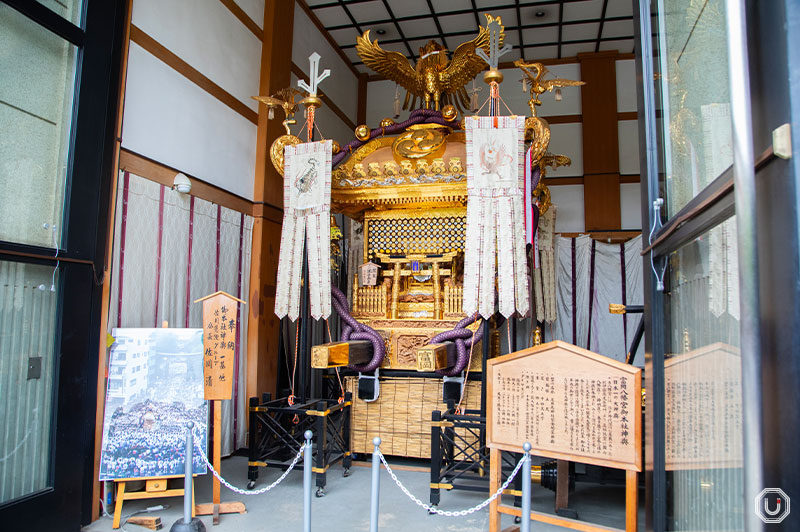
(459, 513)
(239, 490)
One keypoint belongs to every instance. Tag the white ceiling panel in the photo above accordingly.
(345, 37)
(619, 8)
(332, 16)
(417, 28)
(540, 35)
(618, 28)
(443, 6)
(591, 9)
(529, 14)
(623, 46)
(368, 12)
(571, 50)
(457, 23)
(578, 32)
(409, 8)
(541, 52)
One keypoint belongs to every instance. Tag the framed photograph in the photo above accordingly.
(155, 386)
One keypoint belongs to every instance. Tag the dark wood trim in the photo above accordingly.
(161, 173)
(328, 37)
(612, 237)
(600, 140)
(297, 71)
(628, 115)
(564, 119)
(630, 178)
(557, 181)
(243, 17)
(189, 72)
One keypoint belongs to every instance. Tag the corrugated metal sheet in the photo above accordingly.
(27, 329)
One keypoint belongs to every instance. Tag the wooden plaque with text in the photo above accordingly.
(220, 327)
(569, 403)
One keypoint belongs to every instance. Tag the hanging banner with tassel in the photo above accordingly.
(306, 216)
(495, 217)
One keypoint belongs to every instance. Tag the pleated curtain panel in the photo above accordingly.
(169, 250)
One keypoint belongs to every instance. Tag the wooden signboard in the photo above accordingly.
(369, 274)
(220, 329)
(219, 342)
(703, 408)
(570, 404)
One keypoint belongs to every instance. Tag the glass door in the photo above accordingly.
(60, 66)
(694, 418)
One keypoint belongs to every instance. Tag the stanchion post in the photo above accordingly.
(188, 524)
(376, 485)
(307, 465)
(525, 525)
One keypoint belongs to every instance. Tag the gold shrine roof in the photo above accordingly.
(424, 166)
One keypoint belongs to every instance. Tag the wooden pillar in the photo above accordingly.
(361, 113)
(396, 291)
(600, 141)
(262, 333)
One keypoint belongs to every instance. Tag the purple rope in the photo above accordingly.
(358, 331)
(463, 339)
(418, 116)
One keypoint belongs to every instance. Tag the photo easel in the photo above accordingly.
(220, 322)
(155, 487)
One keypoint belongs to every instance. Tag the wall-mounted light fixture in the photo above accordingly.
(182, 184)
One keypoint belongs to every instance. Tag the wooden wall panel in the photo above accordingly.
(262, 334)
(600, 141)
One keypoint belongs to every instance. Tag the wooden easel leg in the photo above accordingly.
(118, 505)
(631, 501)
(194, 506)
(562, 485)
(495, 473)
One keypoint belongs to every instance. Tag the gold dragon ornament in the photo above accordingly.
(434, 79)
(537, 130)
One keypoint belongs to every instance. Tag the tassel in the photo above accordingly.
(558, 94)
(396, 101)
(524, 85)
(271, 113)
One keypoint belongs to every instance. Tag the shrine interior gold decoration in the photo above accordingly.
(285, 99)
(538, 85)
(420, 141)
(434, 80)
(276, 150)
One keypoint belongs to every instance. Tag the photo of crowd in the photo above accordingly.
(154, 388)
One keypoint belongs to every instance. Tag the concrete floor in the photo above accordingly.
(345, 506)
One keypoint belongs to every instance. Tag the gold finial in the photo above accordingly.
(362, 132)
(335, 147)
(386, 122)
(449, 113)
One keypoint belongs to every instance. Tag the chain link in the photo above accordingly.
(239, 490)
(459, 513)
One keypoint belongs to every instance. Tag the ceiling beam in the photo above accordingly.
(328, 37)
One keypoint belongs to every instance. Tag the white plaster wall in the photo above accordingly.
(630, 206)
(628, 131)
(568, 199)
(254, 10)
(342, 85)
(205, 34)
(173, 121)
(626, 86)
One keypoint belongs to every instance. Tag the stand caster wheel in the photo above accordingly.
(346, 473)
(251, 484)
(320, 492)
(433, 509)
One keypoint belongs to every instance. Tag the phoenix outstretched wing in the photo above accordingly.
(550, 84)
(466, 64)
(391, 65)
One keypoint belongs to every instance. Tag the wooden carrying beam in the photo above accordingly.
(434, 357)
(337, 354)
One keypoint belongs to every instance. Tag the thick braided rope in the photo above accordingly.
(354, 330)
(463, 339)
(419, 116)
